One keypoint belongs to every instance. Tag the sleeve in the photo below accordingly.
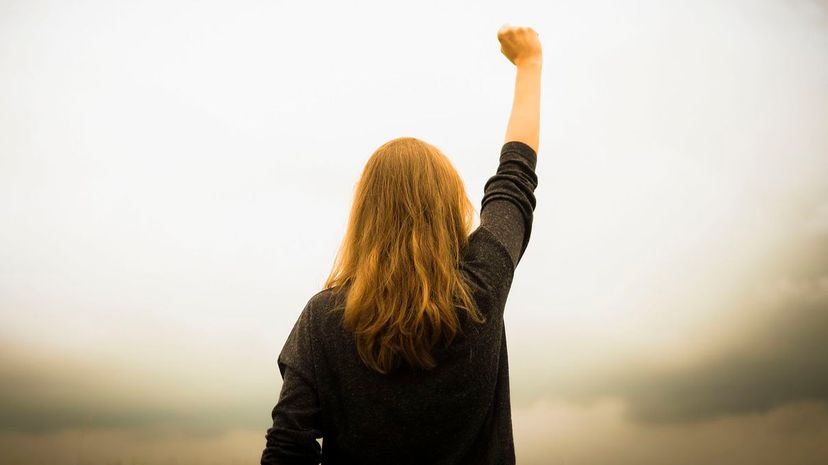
(297, 414)
(507, 208)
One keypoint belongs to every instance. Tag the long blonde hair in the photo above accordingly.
(409, 224)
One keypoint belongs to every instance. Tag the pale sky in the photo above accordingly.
(175, 179)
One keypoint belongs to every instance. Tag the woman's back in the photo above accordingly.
(456, 413)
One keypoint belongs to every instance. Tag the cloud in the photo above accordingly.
(129, 446)
(555, 431)
(41, 393)
(771, 354)
(768, 353)
(787, 365)
(549, 431)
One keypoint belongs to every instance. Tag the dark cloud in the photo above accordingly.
(43, 394)
(789, 365)
(782, 359)
(778, 359)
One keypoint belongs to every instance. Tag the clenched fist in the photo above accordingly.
(520, 44)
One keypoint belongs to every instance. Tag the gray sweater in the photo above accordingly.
(459, 413)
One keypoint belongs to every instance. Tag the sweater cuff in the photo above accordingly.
(516, 149)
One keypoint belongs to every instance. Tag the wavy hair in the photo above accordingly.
(409, 224)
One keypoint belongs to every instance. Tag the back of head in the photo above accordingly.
(409, 223)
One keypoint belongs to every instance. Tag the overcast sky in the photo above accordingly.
(175, 179)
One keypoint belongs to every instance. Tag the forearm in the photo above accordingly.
(524, 122)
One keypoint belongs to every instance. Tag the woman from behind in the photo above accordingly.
(401, 358)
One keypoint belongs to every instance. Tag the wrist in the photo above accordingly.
(529, 62)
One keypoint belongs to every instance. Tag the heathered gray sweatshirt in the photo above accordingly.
(459, 413)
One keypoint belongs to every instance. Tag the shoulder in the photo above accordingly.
(487, 260)
(319, 298)
(320, 308)
(322, 300)
(484, 245)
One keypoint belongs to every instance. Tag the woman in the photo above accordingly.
(402, 359)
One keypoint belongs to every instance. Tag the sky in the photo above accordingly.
(175, 179)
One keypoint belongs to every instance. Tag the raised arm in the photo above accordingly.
(507, 208)
(522, 47)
